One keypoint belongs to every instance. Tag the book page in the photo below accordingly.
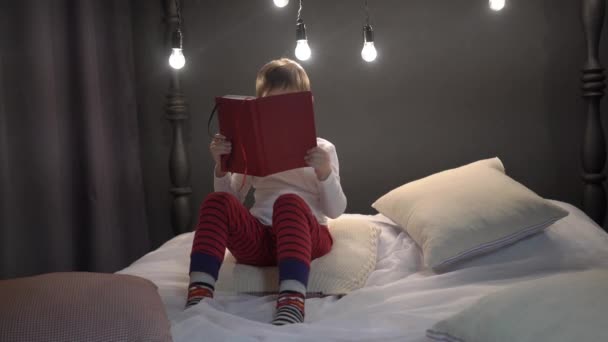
(239, 97)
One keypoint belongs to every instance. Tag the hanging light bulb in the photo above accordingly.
(302, 49)
(177, 59)
(281, 3)
(369, 52)
(497, 5)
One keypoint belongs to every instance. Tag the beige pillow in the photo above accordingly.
(344, 269)
(78, 306)
(561, 308)
(463, 212)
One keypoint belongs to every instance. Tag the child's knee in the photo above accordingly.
(291, 199)
(219, 198)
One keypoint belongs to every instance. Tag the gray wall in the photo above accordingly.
(454, 82)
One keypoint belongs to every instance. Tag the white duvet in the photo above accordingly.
(399, 301)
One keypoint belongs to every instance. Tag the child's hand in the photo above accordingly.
(218, 147)
(318, 159)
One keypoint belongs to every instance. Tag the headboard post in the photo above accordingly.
(179, 164)
(594, 143)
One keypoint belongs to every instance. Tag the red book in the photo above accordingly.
(268, 134)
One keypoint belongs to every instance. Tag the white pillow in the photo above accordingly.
(565, 307)
(344, 269)
(460, 213)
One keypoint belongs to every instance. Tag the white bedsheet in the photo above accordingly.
(400, 300)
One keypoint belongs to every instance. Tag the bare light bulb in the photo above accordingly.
(303, 50)
(497, 5)
(369, 52)
(281, 3)
(177, 59)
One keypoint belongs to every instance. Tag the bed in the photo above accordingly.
(401, 299)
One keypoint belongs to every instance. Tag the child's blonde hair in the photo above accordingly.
(281, 73)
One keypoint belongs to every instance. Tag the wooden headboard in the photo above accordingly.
(177, 114)
(594, 144)
(593, 154)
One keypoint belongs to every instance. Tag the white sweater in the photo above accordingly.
(325, 198)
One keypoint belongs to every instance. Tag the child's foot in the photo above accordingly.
(290, 308)
(198, 291)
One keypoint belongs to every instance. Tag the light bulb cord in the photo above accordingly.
(366, 8)
(178, 38)
(178, 12)
(300, 12)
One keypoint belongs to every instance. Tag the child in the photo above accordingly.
(287, 225)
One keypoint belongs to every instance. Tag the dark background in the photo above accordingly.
(454, 82)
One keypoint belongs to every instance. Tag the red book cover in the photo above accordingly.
(268, 134)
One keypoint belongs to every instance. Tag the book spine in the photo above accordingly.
(259, 139)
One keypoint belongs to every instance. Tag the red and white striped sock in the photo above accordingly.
(290, 308)
(201, 286)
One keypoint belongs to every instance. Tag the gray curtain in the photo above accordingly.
(71, 192)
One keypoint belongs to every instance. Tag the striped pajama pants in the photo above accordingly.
(294, 239)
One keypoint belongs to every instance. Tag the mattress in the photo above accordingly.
(400, 300)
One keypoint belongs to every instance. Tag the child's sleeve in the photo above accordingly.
(333, 200)
(232, 183)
